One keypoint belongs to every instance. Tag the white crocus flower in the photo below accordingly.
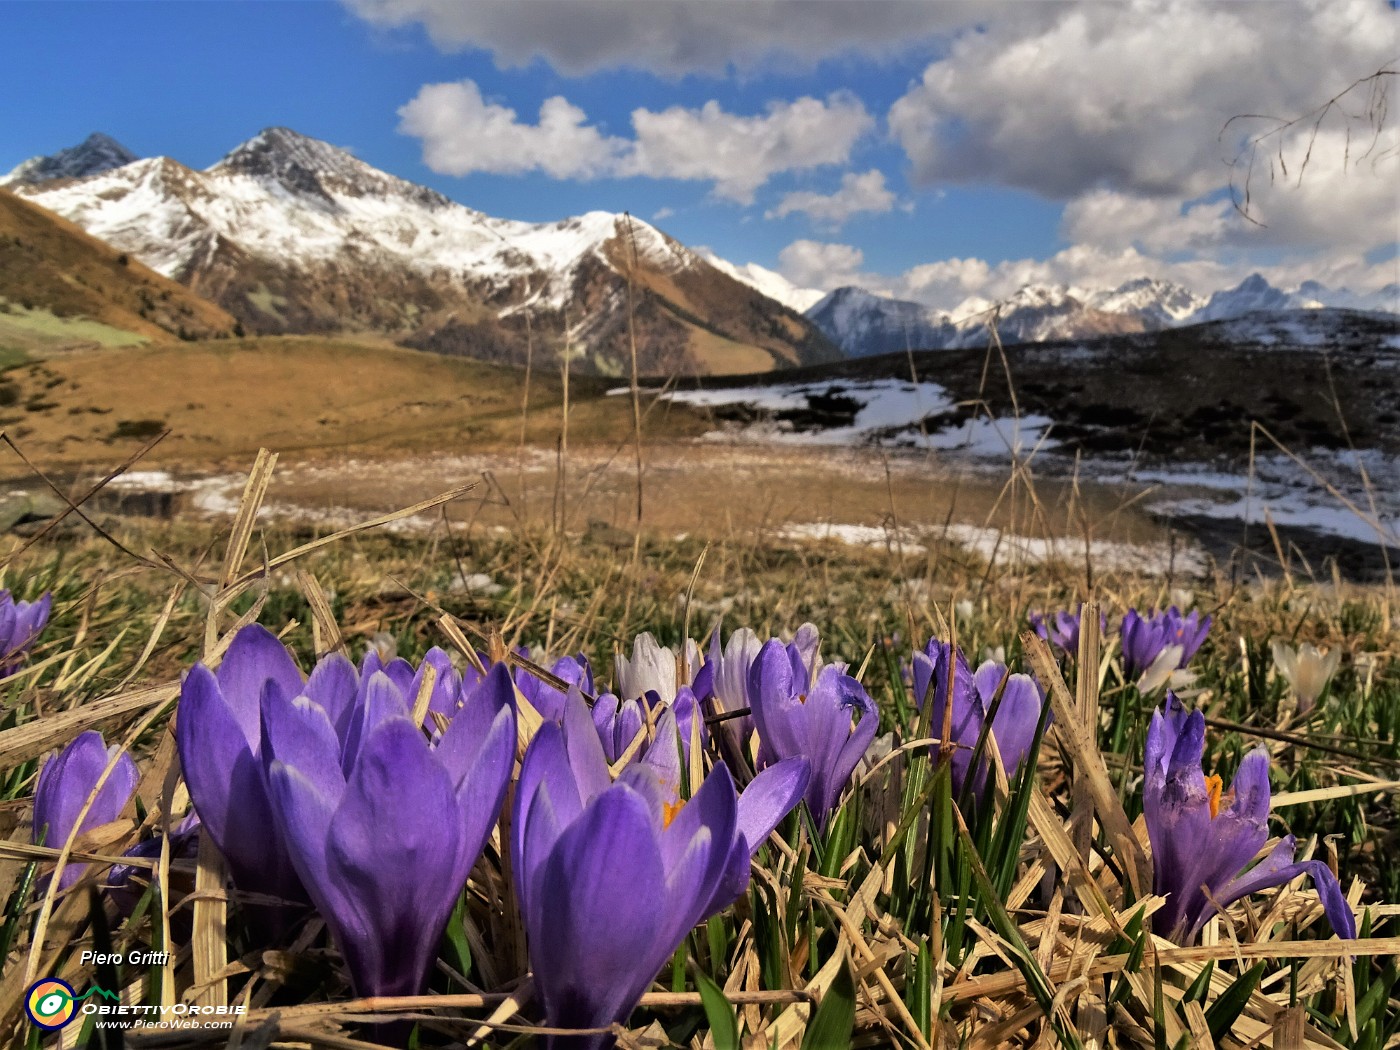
(1307, 670)
(653, 667)
(1160, 671)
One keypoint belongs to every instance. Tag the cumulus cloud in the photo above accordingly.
(858, 193)
(822, 265)
(463, 133)
(1128, 96)
(1337, 200)
(740, 153)
(673, 37)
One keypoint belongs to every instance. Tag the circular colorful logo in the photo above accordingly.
(49, 1003)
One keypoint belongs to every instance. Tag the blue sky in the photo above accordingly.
(979, 145)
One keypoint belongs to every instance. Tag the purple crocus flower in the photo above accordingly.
(729, 682)
(448, 682)
(1199, 850)
(20, 624)
(127, 882)
(1062, 629)
(218, 732)
(619, 721)
(1146, 637)
(543, 697)
(382, 826)
(611, 876)
(64, 785)
(1013, 726)
(801, 714)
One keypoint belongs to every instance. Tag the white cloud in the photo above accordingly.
(739, 153)
(1341, 199)
(673, 37)
(464, 133)
(818, 264)
(858, 193)
(1128, 96)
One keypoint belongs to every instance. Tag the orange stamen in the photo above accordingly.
(669, 811)
(801, 698)
(1214, 786)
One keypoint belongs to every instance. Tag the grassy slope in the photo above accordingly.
(226, 397)
(64, 286)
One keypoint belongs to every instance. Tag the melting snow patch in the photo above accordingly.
(876, 408)
(1010, 548)
(984, 437)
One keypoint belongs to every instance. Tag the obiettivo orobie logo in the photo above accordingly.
(51, 1003)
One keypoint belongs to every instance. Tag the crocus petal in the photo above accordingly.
(474, 734)
(394, 864)
(663, 755)
(447, 686)
(1278, 869)
(596, 948)
(381, 700)
(254, 657)
(587, 761)
(333, 683)
(546, 780)
(226, 781)
(63, 788)
(770, 797)
(1016, 720)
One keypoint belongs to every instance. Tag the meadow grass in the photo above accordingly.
(904, 924)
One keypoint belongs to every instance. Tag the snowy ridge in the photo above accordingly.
(769, 282)
(287, 197)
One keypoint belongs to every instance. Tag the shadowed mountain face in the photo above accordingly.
(293, 235)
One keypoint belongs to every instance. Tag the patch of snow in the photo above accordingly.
(994, 438)
(886, 406)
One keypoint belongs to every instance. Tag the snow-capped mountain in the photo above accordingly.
(864, 324)
(291, 234)
(1161, 304)
(96, 153)
(1251, 295)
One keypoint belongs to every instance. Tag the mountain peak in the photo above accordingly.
(95, 154)
(311, 167)
(278, 151)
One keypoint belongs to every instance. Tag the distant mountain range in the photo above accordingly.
(864, 324)
(291, 234)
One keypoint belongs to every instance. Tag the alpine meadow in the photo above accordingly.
(714, 524)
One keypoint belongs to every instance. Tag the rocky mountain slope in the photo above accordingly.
(293, 235)
(61, 286)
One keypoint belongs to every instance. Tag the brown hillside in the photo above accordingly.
(49, 264)
(226, 397)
